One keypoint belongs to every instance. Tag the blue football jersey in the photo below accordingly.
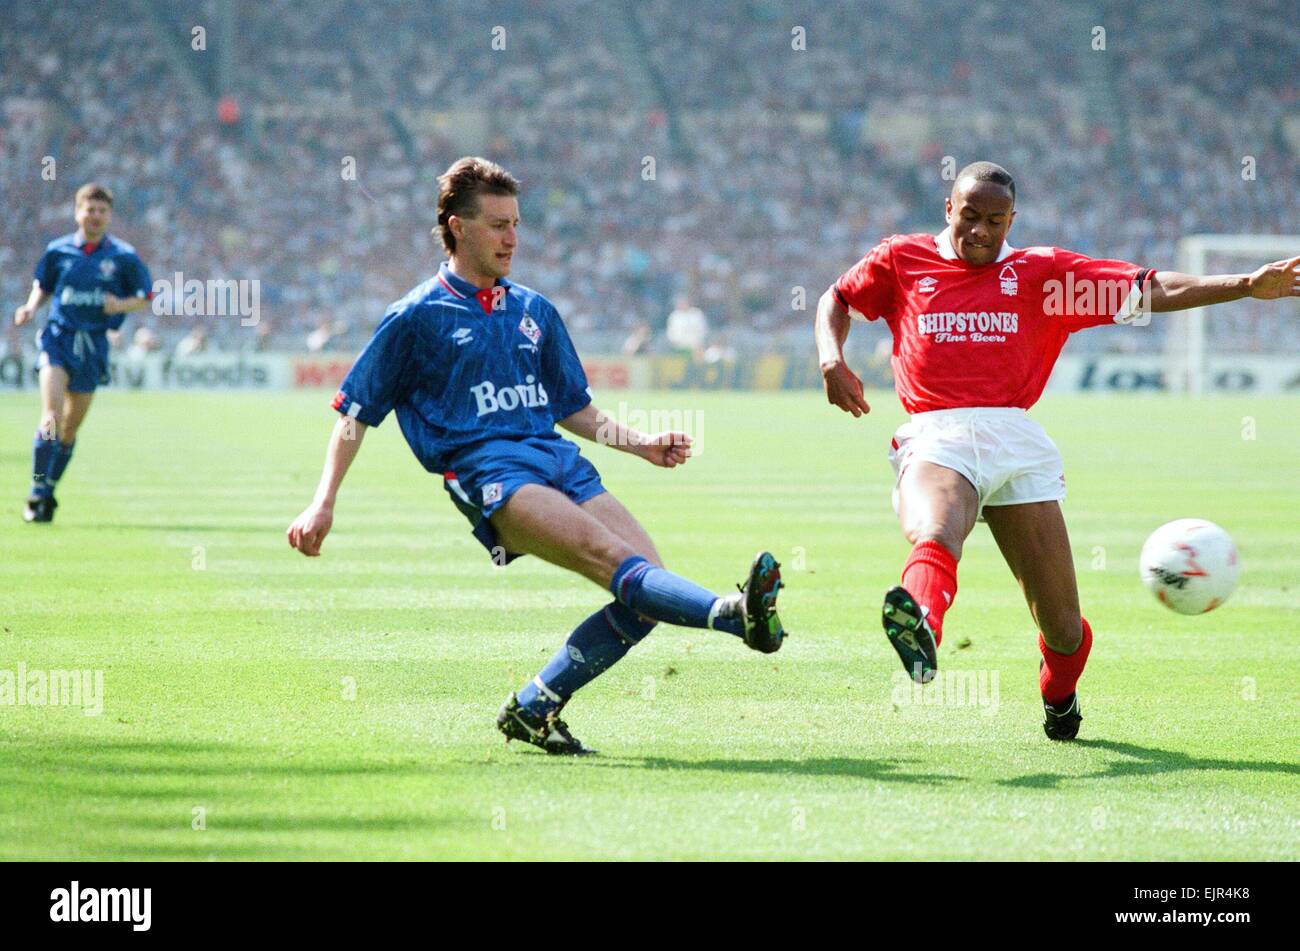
(78, 276)
(461, 365)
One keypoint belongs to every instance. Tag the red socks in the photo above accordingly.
(930, 576)
(1060, 672)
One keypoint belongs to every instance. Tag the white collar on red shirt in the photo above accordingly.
(943, 243)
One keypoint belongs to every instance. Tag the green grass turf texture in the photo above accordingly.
(226, 655)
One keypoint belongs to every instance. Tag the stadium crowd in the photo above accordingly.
(733, 157)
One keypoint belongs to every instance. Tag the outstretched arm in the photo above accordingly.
(843, 388)
(666, 449)
(310, 528)
(1171, 290)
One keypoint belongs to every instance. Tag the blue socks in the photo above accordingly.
(42, 460)
(595, 645)
(62, 454)
(604, 638)
(658, 593)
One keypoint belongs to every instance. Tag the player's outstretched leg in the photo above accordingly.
(602, 541)
(540, 521)
(750, 614)
(532, 714)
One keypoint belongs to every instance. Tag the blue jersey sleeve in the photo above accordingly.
(562, 373)
(134, 282)
(380, 378)
(47, 271)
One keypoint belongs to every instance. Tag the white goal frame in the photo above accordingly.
(1185, 349)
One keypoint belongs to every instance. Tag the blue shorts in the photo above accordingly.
(482, 478)
(82, 353)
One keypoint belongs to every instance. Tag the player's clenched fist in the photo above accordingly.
(23, 314)
(310, 528)
(844, 389)
(666, 449)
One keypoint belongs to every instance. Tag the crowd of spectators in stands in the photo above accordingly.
(727, 159)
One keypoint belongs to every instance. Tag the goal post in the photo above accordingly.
(1245, 324)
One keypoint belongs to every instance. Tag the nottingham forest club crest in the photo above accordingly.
(1010, 282)
(528, 327)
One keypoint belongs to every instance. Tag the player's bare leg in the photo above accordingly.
(45, 446)
(611, 513)
(603, 542)
(54, 391)
(540, 521)
(937, 508)
(937, 504)
(75, 408)
(1036, 545)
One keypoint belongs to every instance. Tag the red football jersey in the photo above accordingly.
(985, 335)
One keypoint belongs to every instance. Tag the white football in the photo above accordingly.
(1190, 565)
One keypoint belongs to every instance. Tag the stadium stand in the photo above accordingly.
(774, 167)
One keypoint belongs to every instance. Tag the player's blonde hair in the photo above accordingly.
(459, 188)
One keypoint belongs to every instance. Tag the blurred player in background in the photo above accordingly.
(480, 370)
(977, 328)
(93, 280)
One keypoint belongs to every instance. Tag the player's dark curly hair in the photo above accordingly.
(460, 186)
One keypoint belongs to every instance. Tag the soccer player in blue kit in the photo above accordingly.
(480, 370)
(94, 281)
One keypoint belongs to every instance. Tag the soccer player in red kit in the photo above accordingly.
(977, 327)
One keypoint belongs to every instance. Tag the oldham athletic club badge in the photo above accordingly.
(528, 327)
(107, 268)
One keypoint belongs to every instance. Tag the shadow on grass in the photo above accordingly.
(129, 798)
(1148, 761)
(884, 770)
(127, 758)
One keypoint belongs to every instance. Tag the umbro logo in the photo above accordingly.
(927, 284)
(462, 335)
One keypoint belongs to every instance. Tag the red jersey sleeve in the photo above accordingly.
(1091, 292)
(868, 286)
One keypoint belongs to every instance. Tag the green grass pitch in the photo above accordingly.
(261, 705)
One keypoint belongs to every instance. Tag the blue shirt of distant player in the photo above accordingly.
(463, 365)
(78, 275)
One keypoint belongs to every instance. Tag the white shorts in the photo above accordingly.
(1003, 453)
